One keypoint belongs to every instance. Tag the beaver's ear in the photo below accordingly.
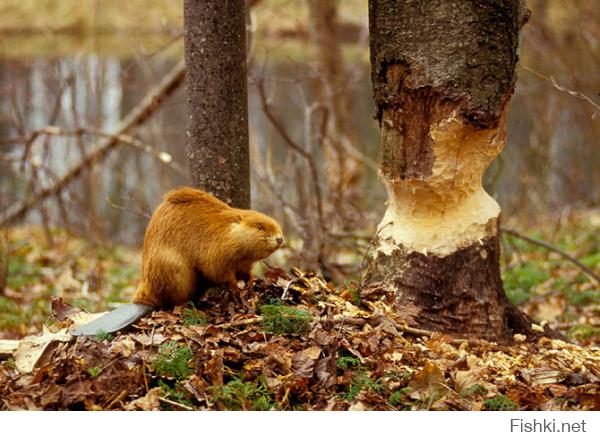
(237, 219)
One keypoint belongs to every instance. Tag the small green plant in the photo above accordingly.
(361, 381)
(244, 395)
(10, 364)
(278, 319)
(355, 297)
(175, 393)
(398, 375)
(474, 389)
(104, 336)
(173, 361)
(346, 362)
(398, 397)
(192, 316)
(94, 371)
(499, 402)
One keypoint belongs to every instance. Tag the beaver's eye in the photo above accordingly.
(261, 227)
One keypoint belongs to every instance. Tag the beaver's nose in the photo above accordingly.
(279, 240)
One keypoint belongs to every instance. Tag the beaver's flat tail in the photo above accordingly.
(115, 320)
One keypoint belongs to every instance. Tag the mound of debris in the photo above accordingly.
(288, 342)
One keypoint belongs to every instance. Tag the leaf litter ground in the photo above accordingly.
(290, 341)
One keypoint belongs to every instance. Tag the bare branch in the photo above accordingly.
(573, 93)
(122, 138)
(586, 269)
(295, 147)
(137, 116)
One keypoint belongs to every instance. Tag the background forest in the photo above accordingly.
(71, 71)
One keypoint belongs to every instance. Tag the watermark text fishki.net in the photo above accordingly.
(546, 425)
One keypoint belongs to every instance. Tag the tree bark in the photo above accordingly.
(443, 72)
(217, 126)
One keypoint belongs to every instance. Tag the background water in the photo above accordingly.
(550, 164)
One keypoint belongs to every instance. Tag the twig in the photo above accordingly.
(137, 116)
(573, 93)
(250, 321)
(286, 289)
(290, 142)
(586, 269)
(175, 403)
(117, 397)
(120, 137)
(371, 243)
(374, 320)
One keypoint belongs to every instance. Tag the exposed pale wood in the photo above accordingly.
(443, 72)
(8, 347)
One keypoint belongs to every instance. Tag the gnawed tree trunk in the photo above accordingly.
(217, 126)
(443, 72)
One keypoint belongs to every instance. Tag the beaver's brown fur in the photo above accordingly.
(193, 237)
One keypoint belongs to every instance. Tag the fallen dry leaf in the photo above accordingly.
(31, 348)
(428, 382)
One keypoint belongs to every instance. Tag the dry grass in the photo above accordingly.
(89, 15)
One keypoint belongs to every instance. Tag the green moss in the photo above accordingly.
(583, 298)
(347, 362)
(592, 260)
(398, 375)
(584, 331)
(520, 280)
(21, 272)
(18, 317)
(278, 319)
(499, 402)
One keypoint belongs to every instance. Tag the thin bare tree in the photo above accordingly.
(217, 126)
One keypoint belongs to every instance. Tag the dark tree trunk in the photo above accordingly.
(217, 126)
(443, 72)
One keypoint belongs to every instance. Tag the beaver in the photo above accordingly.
(194, 237)
(192, 240)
